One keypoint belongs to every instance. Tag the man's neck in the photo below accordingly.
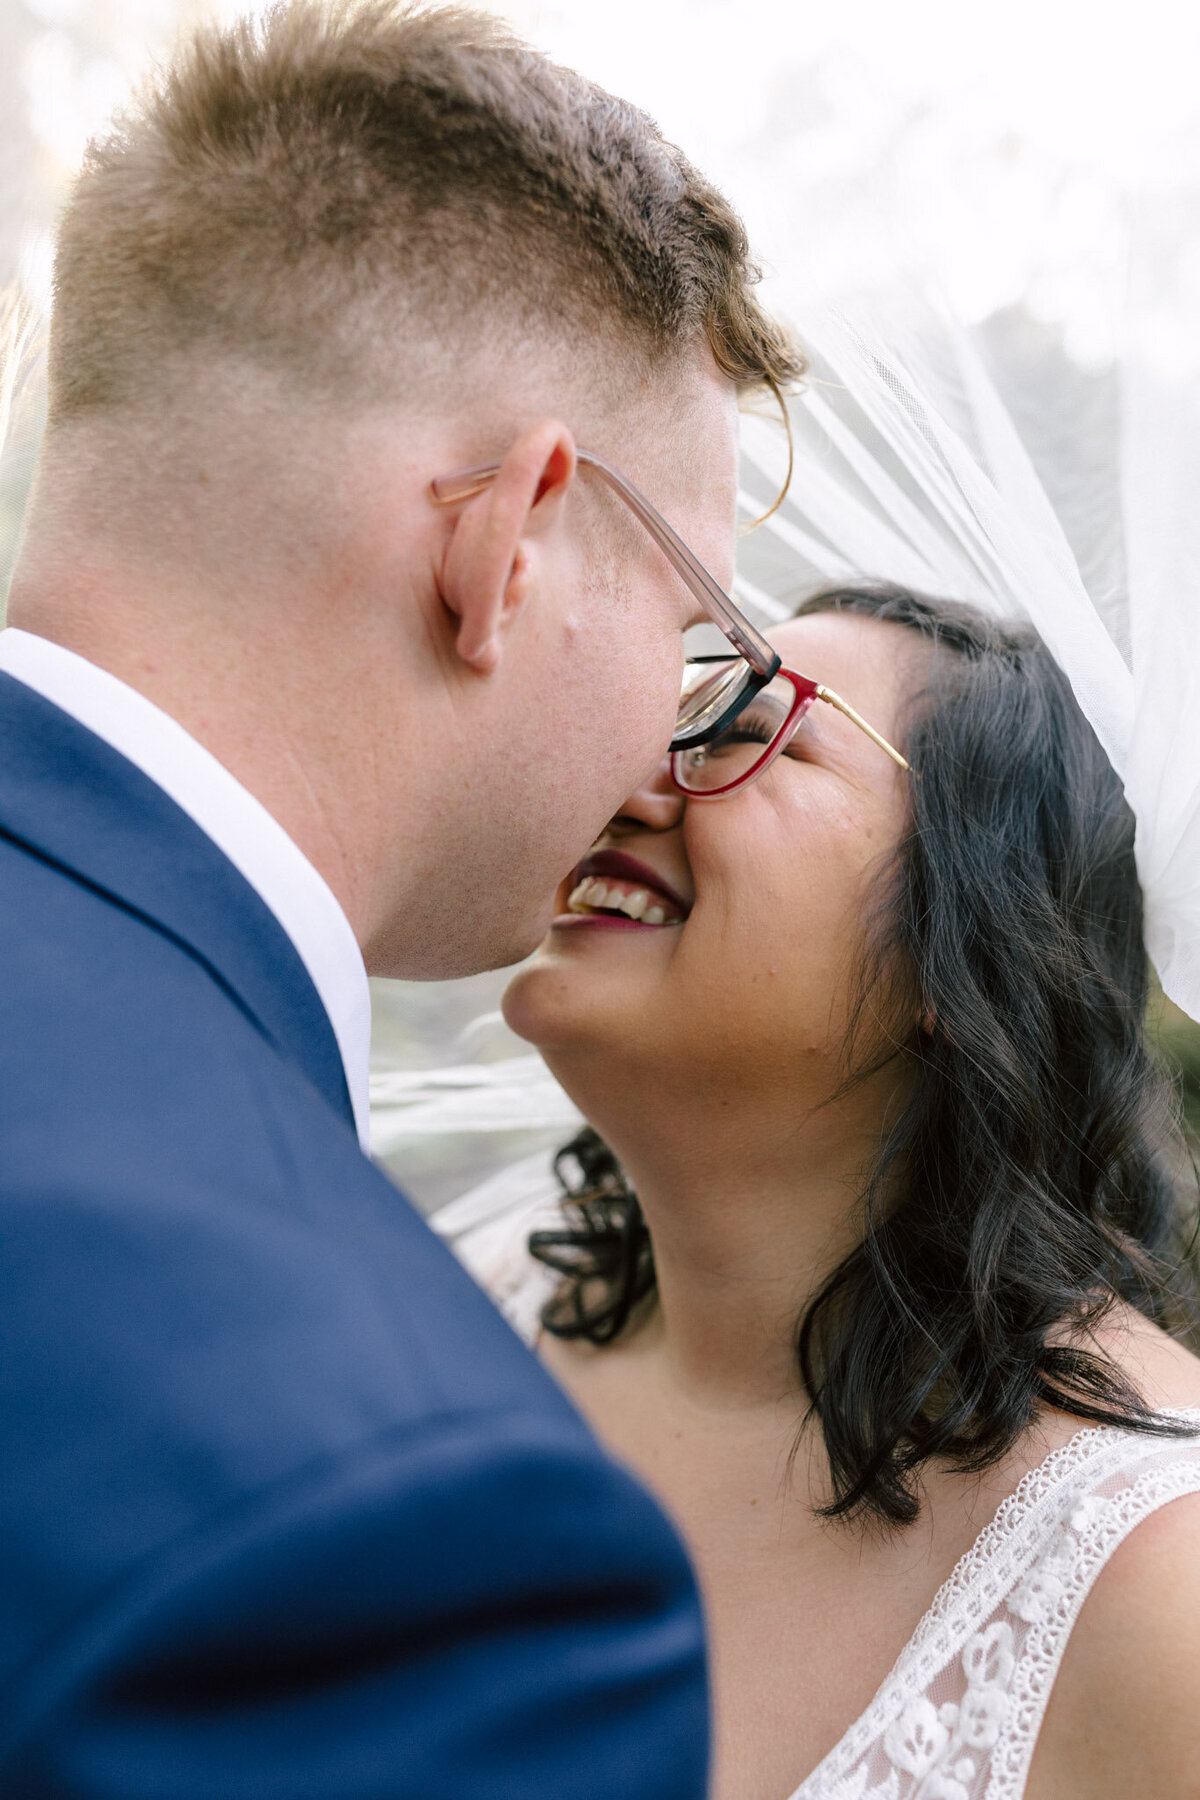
(238, 693)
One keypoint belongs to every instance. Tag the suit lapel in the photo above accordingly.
(75, 801)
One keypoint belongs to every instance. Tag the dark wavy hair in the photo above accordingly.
(1038, 1172)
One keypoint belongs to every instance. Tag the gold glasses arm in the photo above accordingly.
(843, 706)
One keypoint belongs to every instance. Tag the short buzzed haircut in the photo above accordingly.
(310, 189)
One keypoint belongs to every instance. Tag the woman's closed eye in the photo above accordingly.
(751, 730)
(733, 739)
(744, 731)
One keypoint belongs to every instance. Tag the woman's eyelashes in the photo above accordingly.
(751, 732)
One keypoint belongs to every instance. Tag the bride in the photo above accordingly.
(867, 1264)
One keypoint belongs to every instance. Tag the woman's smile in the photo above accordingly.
(613, 890)
(768, 883)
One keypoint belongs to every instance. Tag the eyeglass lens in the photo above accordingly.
(708, 699)
(741, 745)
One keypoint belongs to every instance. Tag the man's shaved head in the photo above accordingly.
(327, 257)
(362, 199)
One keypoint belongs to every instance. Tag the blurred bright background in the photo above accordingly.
(1007, 152)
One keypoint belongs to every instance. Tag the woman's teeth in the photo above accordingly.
(593, 895)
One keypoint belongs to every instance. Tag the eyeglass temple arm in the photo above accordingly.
(843, 706)
(451, 490)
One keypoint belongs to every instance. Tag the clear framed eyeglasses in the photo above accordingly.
(706, 708)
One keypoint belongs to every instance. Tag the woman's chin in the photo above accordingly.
(556, 1002)
(535, 1005)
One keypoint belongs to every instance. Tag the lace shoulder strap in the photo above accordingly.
(1049, 1599)
(959, 1715)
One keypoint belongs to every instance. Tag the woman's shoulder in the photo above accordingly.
(1121, 1714)
(1121, 1718)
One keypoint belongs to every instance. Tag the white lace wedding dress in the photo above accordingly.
(959, 1715)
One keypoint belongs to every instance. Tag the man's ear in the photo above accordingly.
(485, 562)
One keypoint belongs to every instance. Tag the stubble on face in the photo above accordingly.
(591, 706)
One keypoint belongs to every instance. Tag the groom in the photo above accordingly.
(289, 1512)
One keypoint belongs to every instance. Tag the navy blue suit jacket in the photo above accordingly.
(288, 1511)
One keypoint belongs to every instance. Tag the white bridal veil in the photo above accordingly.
(928, 455)
(977, 465)
(973, 464)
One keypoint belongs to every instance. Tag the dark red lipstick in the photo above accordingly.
(619, 867)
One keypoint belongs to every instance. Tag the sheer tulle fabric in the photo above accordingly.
(911, 468)
(961, 464)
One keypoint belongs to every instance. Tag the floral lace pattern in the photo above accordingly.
(959, 1715)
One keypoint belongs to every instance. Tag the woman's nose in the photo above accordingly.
(657, 804)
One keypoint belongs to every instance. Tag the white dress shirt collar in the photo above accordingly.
(255, 843)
